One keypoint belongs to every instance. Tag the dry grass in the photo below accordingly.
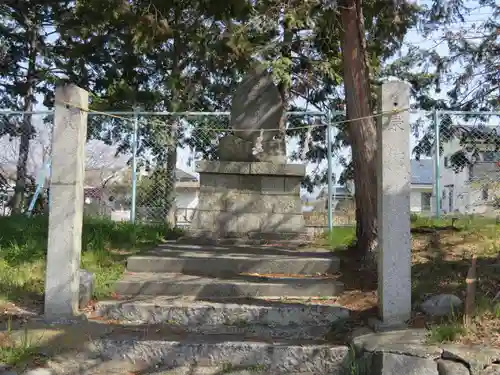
(441, 256)
(23, 244)
(440, 264)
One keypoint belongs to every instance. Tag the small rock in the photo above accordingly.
(358, 332)
(452, 368)
(372, 342)
(86, 288)
(441, 305)
(39, 371)
(380, 326)
(477, 357)
(491, 370)
(5, 369)
(391, 364)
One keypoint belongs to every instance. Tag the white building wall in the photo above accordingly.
(467, 198)
(186, 198)
(416, 198)
(186, 201)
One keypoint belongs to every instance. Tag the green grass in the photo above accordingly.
(446, 332)
(12, 351)
(105, 246)
(343, 236)
(338, 238)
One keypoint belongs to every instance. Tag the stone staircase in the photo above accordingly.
(226, 309)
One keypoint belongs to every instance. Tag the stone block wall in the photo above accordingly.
(320, 219)
(249, 197)
(407, 352)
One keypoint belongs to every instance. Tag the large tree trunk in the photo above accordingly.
(362, 133)
(172, 176)
(17, 202)
(283, 85)
(173, 106)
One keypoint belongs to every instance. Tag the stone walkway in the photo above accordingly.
(193, 310)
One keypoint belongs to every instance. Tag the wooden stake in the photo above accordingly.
(470, 296)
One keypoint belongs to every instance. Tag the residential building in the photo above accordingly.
(111, 189)
(469, 170)
(108, 192)
(187, 190)
(422, 183)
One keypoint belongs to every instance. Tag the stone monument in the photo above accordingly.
(251, 192)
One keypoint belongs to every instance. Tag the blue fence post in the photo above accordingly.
(437, 164)
(330, 169)
(134, 166)
(39, 187)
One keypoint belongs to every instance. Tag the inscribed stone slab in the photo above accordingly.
(256, 105)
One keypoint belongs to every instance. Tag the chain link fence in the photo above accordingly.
(141, 166)
(164, 189)
(25, 151)
(468, 172)
(25, 143)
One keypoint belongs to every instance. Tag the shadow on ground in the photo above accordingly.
(76, 348)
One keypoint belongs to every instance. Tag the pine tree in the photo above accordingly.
(26, 69)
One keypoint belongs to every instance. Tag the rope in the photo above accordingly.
(375, 115)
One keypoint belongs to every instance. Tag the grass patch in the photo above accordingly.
(441, 256)
(339, 238)
(14, 351)
(446, 332)
(441, 260)
(105, 246)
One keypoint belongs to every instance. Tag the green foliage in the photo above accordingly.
(447, 332)
(179, 55)
(468, 72)
(151, 195)
(186, 56)
(340, 237)
(105, 246)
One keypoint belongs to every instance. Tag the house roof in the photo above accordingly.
(422, 172)
(337, 190)
(184, 176)
(476, 131)
(95, 177)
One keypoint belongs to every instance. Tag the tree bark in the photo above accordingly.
(173, 106)
(362, 132)
(172, 176)
(284, 86)
(17, 202)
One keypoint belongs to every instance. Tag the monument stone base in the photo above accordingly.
(249, 200)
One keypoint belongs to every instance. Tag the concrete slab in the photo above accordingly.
(208, 263)
(172, 284)
(99, 347)
(273, 319)
(223, 352)
(283, 249)
(250, 168)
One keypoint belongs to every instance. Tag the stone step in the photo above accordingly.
(272, 319)
(161, 352)
(178, 247)
(211, 263)
(174, 284)
(189, 370)
(253, 239)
